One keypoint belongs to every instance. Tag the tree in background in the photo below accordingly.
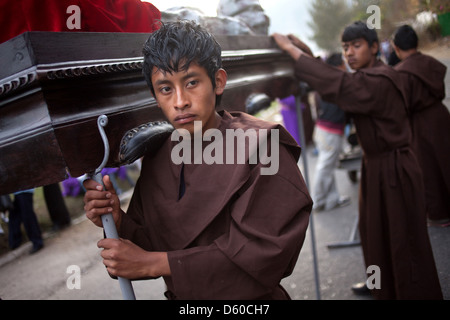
(330, 17)
(435, 6)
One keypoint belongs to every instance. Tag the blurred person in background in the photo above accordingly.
(328, 137)
(430, 121)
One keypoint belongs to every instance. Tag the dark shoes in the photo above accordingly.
(361, 289)
(36, 249)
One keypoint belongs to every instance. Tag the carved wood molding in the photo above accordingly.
(64, 70)
(17, 81)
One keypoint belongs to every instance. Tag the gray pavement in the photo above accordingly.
(46, 275)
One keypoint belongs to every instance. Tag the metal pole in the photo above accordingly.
(301, 133)
(352, 241)
(108, 222)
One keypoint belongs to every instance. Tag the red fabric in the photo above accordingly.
(19, 16)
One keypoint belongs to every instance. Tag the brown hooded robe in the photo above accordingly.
(430, 121)
(392, 223)
(235, 233)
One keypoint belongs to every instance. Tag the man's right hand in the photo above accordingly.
(300, 44)
(98, 201)
(287, 45)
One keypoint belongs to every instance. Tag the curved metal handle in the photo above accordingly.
(102, 121)
(107, 219)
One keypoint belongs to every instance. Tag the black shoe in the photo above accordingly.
(361, 289)
(36, 249)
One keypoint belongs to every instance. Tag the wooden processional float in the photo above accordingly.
(55, 85)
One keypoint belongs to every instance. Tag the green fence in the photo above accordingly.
(444, 21)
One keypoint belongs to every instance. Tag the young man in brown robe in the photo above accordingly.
(392, 224)
(430, 121)
(213, 231)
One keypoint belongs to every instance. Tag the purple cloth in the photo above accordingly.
(289, 113)
(122, 173)
(109, 171)
(71, 187)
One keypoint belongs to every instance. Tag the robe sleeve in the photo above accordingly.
(353, 92)
(269, 221)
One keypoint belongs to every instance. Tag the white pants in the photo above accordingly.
(329, 145)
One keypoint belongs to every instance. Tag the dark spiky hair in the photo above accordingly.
(358, 30)
(176, 45)
(406, 38)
